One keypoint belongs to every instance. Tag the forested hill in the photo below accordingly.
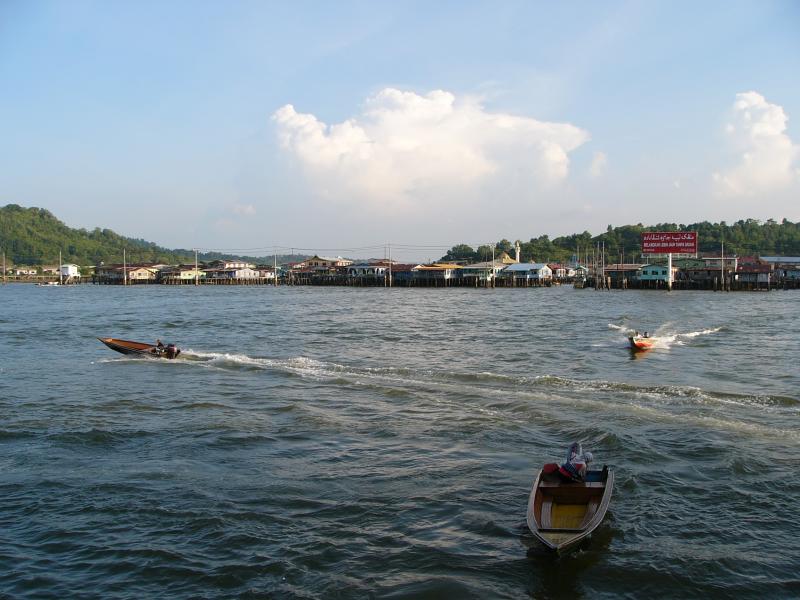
(745, 238)
(34, 236)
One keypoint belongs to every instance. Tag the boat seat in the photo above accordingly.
(581, 484)
(591, 510)
(547, 506)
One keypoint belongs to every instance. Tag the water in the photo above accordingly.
(352, 443)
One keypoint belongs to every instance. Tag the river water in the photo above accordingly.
(360, 443)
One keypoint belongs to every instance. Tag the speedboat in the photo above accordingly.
(562, 514)
(169, 351)
(639, 342)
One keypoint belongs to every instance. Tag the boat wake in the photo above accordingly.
(323, 370)
(496, 395)
(665, 337)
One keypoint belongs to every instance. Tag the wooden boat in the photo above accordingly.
(141, 348)
(641, 343)
(560, 514)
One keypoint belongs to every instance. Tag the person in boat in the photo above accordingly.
(576, 465)
(159, 345)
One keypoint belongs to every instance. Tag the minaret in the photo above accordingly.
(517, 249)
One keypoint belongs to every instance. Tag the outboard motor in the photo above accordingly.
(172, 351)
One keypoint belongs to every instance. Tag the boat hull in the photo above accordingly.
(136, 348)
(640, 343)
(563, 514)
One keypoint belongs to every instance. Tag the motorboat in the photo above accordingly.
(639, 342)
(157, 350)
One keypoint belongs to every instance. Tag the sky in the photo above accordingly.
(350, 127)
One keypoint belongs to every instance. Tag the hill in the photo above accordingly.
(34, 236)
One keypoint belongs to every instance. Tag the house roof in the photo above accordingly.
(526, 267)
(482, 266)
(782, 259)
(401, 267)
(626, 267)
(438, 267)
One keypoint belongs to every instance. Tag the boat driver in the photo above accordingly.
(574, 469)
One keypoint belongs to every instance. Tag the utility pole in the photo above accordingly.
(4, 268)
(124, 268)
(196, 273)
(722, 266)
(275, 268)
(390, 264)
(492, 266)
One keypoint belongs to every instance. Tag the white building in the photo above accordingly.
(70, 270)
(366, 270)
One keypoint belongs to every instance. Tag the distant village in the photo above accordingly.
(697, 271)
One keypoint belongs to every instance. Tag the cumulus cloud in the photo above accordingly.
(405, 149)
(766, 156)
(598, 166)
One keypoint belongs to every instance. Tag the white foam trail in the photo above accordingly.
(693, 334)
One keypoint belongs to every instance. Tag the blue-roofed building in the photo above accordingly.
(781, 260)
(527, 273)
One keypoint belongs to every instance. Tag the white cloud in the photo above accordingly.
(599, 163)
(243, 210)
(765, 154)
(408, 150)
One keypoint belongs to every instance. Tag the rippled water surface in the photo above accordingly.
(352, 443)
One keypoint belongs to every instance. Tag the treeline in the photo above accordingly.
(34, 236)
(745, 238)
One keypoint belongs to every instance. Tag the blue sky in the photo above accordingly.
(341, 125)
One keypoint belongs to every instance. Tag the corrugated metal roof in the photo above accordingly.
(781, 259)
(526, 267)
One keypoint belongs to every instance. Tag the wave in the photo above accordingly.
(486, 380)
(96, 437)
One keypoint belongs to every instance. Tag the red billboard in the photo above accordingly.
(664, 242)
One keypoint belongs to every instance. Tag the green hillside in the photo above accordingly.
(34, 236)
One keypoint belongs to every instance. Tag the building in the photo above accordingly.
(527, 273)
(403, 273)
(231, 264)
(436, 272)
(655, 273)
(482, 271)
(323, 262)
(621, 273)
(754, 274)
(143, 274)
(182, 274)
(372, 270)
(69, 271)
(240, 272)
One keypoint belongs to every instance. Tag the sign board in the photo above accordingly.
(666, 242)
